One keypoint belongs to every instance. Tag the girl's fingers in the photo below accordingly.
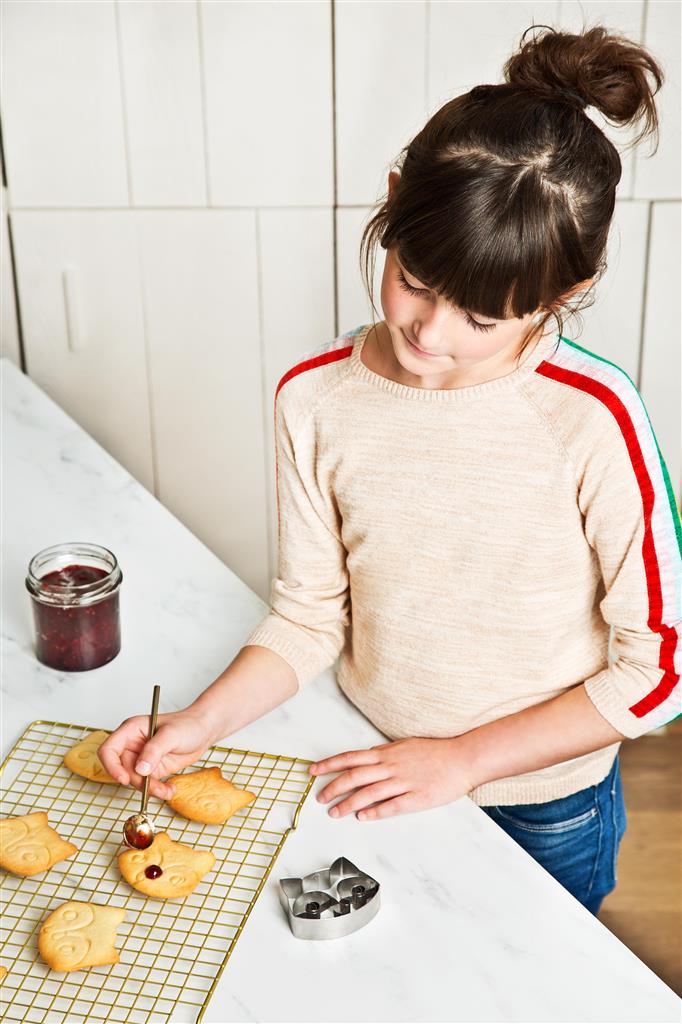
(348, 759)
(163, 742)
(128, 759)
(130, 735)
(367, 796)
(111, 751)
(351, 779)
(160, 789)
(157, 788)
(402, 804)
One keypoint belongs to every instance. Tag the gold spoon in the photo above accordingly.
(138, 830)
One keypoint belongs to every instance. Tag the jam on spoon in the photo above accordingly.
(138, 832)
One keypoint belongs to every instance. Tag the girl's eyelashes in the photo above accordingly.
(404, 284)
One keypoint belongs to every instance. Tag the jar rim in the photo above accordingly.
(77, 593)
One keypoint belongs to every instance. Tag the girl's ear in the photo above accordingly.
(393, 179)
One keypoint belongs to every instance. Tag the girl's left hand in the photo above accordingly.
(395, 778)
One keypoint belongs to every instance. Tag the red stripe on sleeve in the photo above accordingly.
(669, 637)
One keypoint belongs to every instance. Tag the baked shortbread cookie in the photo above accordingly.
(28, 845)
(165, 869)
(83, 760)
(207, 797)
(78, 935)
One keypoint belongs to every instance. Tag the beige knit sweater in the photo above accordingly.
(465, 551)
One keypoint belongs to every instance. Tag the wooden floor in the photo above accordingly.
(645, 909)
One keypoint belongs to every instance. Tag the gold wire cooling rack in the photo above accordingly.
(172, 952)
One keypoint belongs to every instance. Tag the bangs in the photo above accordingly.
(489, 250)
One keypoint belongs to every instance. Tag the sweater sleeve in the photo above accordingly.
(309, 597)
(633, 524)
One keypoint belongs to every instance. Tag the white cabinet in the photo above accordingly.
(161, 83)
(164, 334)
(354, 304)
(657, 176)
(83, 324)
(63, 126)
(611, 325)
(203, 331)
(381, 90)
(661, 355)
(268, 75)
(232, 300)
(297, 288)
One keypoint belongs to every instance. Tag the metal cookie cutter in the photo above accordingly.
(329, 903)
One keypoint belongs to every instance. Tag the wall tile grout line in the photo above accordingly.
(124, 111)
(672, 200)
(204, 103)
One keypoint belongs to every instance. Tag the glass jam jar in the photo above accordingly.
(74, 590)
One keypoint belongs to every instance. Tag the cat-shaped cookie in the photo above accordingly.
(165, 869)
(207, 797)
(28, 845)
(78, 935)
(83, 760)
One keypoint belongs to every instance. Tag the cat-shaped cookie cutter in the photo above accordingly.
(331, 902)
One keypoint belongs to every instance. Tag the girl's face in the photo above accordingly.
(464, 348)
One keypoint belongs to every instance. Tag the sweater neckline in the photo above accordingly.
(496, 385)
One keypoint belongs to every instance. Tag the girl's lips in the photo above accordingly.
(426, 355)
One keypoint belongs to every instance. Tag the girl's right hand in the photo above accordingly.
(181, 738)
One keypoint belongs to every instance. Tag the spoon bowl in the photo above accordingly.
(138, 832)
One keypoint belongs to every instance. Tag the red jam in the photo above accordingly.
(153, 871)
(138, 833)
(76, 614)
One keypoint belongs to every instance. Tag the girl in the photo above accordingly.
(467, 501)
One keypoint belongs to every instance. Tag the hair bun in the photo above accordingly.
(573, 96)
(594, 68)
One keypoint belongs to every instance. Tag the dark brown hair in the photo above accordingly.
(506, 195)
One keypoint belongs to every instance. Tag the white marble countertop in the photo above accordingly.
(470, 927)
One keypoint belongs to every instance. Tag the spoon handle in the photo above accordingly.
(152, 730)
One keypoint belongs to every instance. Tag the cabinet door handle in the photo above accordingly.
(74, 332)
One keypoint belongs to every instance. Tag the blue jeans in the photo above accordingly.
(576, 838)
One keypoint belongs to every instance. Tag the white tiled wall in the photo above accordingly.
(161, 82)
(187, 187)
(83, 323)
